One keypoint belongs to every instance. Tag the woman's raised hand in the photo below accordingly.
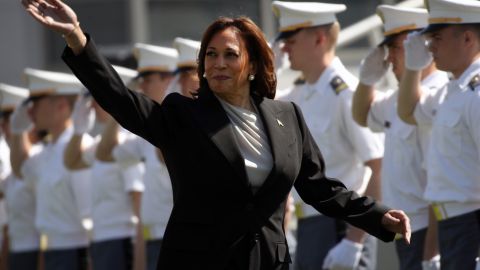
(54, 14)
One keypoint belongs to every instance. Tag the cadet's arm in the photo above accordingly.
(72, 157)
(19, 152)
(139, 248)
(409, 95)
(362, 100)
(431, 242)
(108, 142)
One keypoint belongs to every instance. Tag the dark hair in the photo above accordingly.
(259, 54)
(474, 27)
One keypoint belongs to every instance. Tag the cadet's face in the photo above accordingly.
(299, 48)
(445, 45)
(153, 85)
(43, 112)
(189, 82)
(396, 55)
(227, 63)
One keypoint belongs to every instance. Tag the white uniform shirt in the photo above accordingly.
(345, 145)
(5, 168)
(454, 153)
(404, 175)
(112, 211)
(157, 199)
(20, 204)
(62, 197)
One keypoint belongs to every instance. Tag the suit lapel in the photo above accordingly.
(214, 121)
(274, 128)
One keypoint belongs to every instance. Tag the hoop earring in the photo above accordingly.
(251, 77)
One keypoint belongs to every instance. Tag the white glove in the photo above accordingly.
(417, 55)
(279, 55)
(83, 116)
(374, 66)
(432, 264)
(344, 256)
(20, 120)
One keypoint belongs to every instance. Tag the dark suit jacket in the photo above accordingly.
(216, 221)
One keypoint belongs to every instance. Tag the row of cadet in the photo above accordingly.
(378, 143)
(78, 189)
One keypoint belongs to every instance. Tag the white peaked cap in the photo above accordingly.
(400, 19)
(11, 96)
(187, 52)
(41, 82)
(126, 74)
(297, 15)
(453, 11)
(155, 58)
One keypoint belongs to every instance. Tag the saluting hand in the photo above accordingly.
(398, 222)
(374, 66)
(54, 14)
(417, 55)
(83, 116)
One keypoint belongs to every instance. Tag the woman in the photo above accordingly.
(233, 153)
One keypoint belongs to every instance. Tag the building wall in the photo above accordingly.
(110, 22)
(22, 42)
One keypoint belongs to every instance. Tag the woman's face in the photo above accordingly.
(227, 63)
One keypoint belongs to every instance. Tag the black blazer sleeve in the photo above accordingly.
(131, 109)
(329, 196)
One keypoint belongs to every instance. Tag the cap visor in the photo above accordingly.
(390, 38)
(287, 34)
(148, 72)
(33, 98)
(182, 69)
(434, 27)
(387, 40)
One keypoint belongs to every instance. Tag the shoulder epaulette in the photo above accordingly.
(474, 82)
(299, 81)
(338, 85)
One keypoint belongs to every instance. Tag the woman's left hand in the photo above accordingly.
(398, 222)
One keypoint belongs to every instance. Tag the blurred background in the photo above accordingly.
(117, 24)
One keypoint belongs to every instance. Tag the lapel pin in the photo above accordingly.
(280, 123)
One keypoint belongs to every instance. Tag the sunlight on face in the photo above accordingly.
(154, 85)
(396, 55)
(446, 47)
(227, 63)
(298, 48)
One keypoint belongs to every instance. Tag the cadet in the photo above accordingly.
(453, 182)
(62, 202)
(403, 167)
(309, 32)
(187, 65)
(24, 239)
(116, 190)
(157, 199)
(156, 66)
